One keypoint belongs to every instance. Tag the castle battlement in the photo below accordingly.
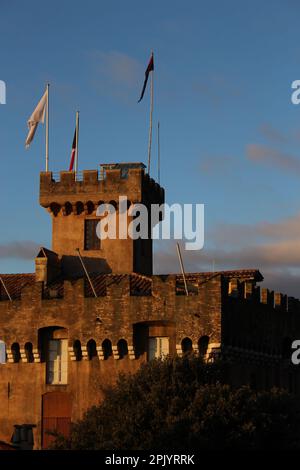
(244, 288)
(97, 187)
(261, 295)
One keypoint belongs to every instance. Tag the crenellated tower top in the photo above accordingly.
(73, 202)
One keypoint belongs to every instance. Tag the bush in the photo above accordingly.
(182, 404)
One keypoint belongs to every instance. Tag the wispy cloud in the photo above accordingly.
(216, 90)
(283, 254)
(273, 157)
(226, 234)
(19, 250)
(274, 135)
(273, 248)
(212, 164)
(116, 73)
(279, 263)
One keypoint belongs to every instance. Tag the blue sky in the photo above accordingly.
(230, 136)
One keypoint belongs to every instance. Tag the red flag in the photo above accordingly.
(73, 153)
(149, 69)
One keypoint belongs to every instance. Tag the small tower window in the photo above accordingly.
(91, 240)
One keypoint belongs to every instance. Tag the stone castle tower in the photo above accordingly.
(73, 206)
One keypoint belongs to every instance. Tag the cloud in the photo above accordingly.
(116, 73)
(283, 254)
(19, 250)
(211, 164)
(216, 90)
(224, 234)
(279, 261)
(283, 281)
(272, 157)
(272, 263)
(272, 134)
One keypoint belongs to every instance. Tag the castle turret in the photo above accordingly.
(73, 203)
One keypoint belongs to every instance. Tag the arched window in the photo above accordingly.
(15, 350)
(107, 348)
(79, 207)
(77, 350)
(122, 348)
(68, 208)
(186, 345)
(2, 352)
(203, 345)
(114, 204)
(91, 349)
(28, 352)
(90, 207)
(55, 208)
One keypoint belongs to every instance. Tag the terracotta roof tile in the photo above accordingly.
(139, 284)
(14, 284)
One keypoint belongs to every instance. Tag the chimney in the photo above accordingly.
(47, 266)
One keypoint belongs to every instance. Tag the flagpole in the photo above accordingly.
(76, 149)
(158, 145)
(182, 268)
(47, 129)
(150, 124)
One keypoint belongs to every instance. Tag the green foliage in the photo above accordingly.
(182, 404)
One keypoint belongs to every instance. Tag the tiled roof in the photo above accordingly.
(139, 284)
(14, 283)
(245, 274)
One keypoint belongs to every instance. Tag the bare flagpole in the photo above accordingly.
(182, 268)
(86, 272)
(151, 114)
(158, 145)
(47, 129)
(76, 149)
(5, 288)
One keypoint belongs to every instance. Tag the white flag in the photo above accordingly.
(37, 116)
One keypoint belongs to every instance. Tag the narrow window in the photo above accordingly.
(15, 349)
(77, 350)
(158, 347)
(28, 352)
(122, 348)
(107, 348)
(57, 364)
(186, 345)
(2, 352)
(91, 240)
(91, 349)
(203, 345)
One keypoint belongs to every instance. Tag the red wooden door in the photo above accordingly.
(56, 416)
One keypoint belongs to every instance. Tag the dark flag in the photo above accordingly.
(73, 153)
(148, 70)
